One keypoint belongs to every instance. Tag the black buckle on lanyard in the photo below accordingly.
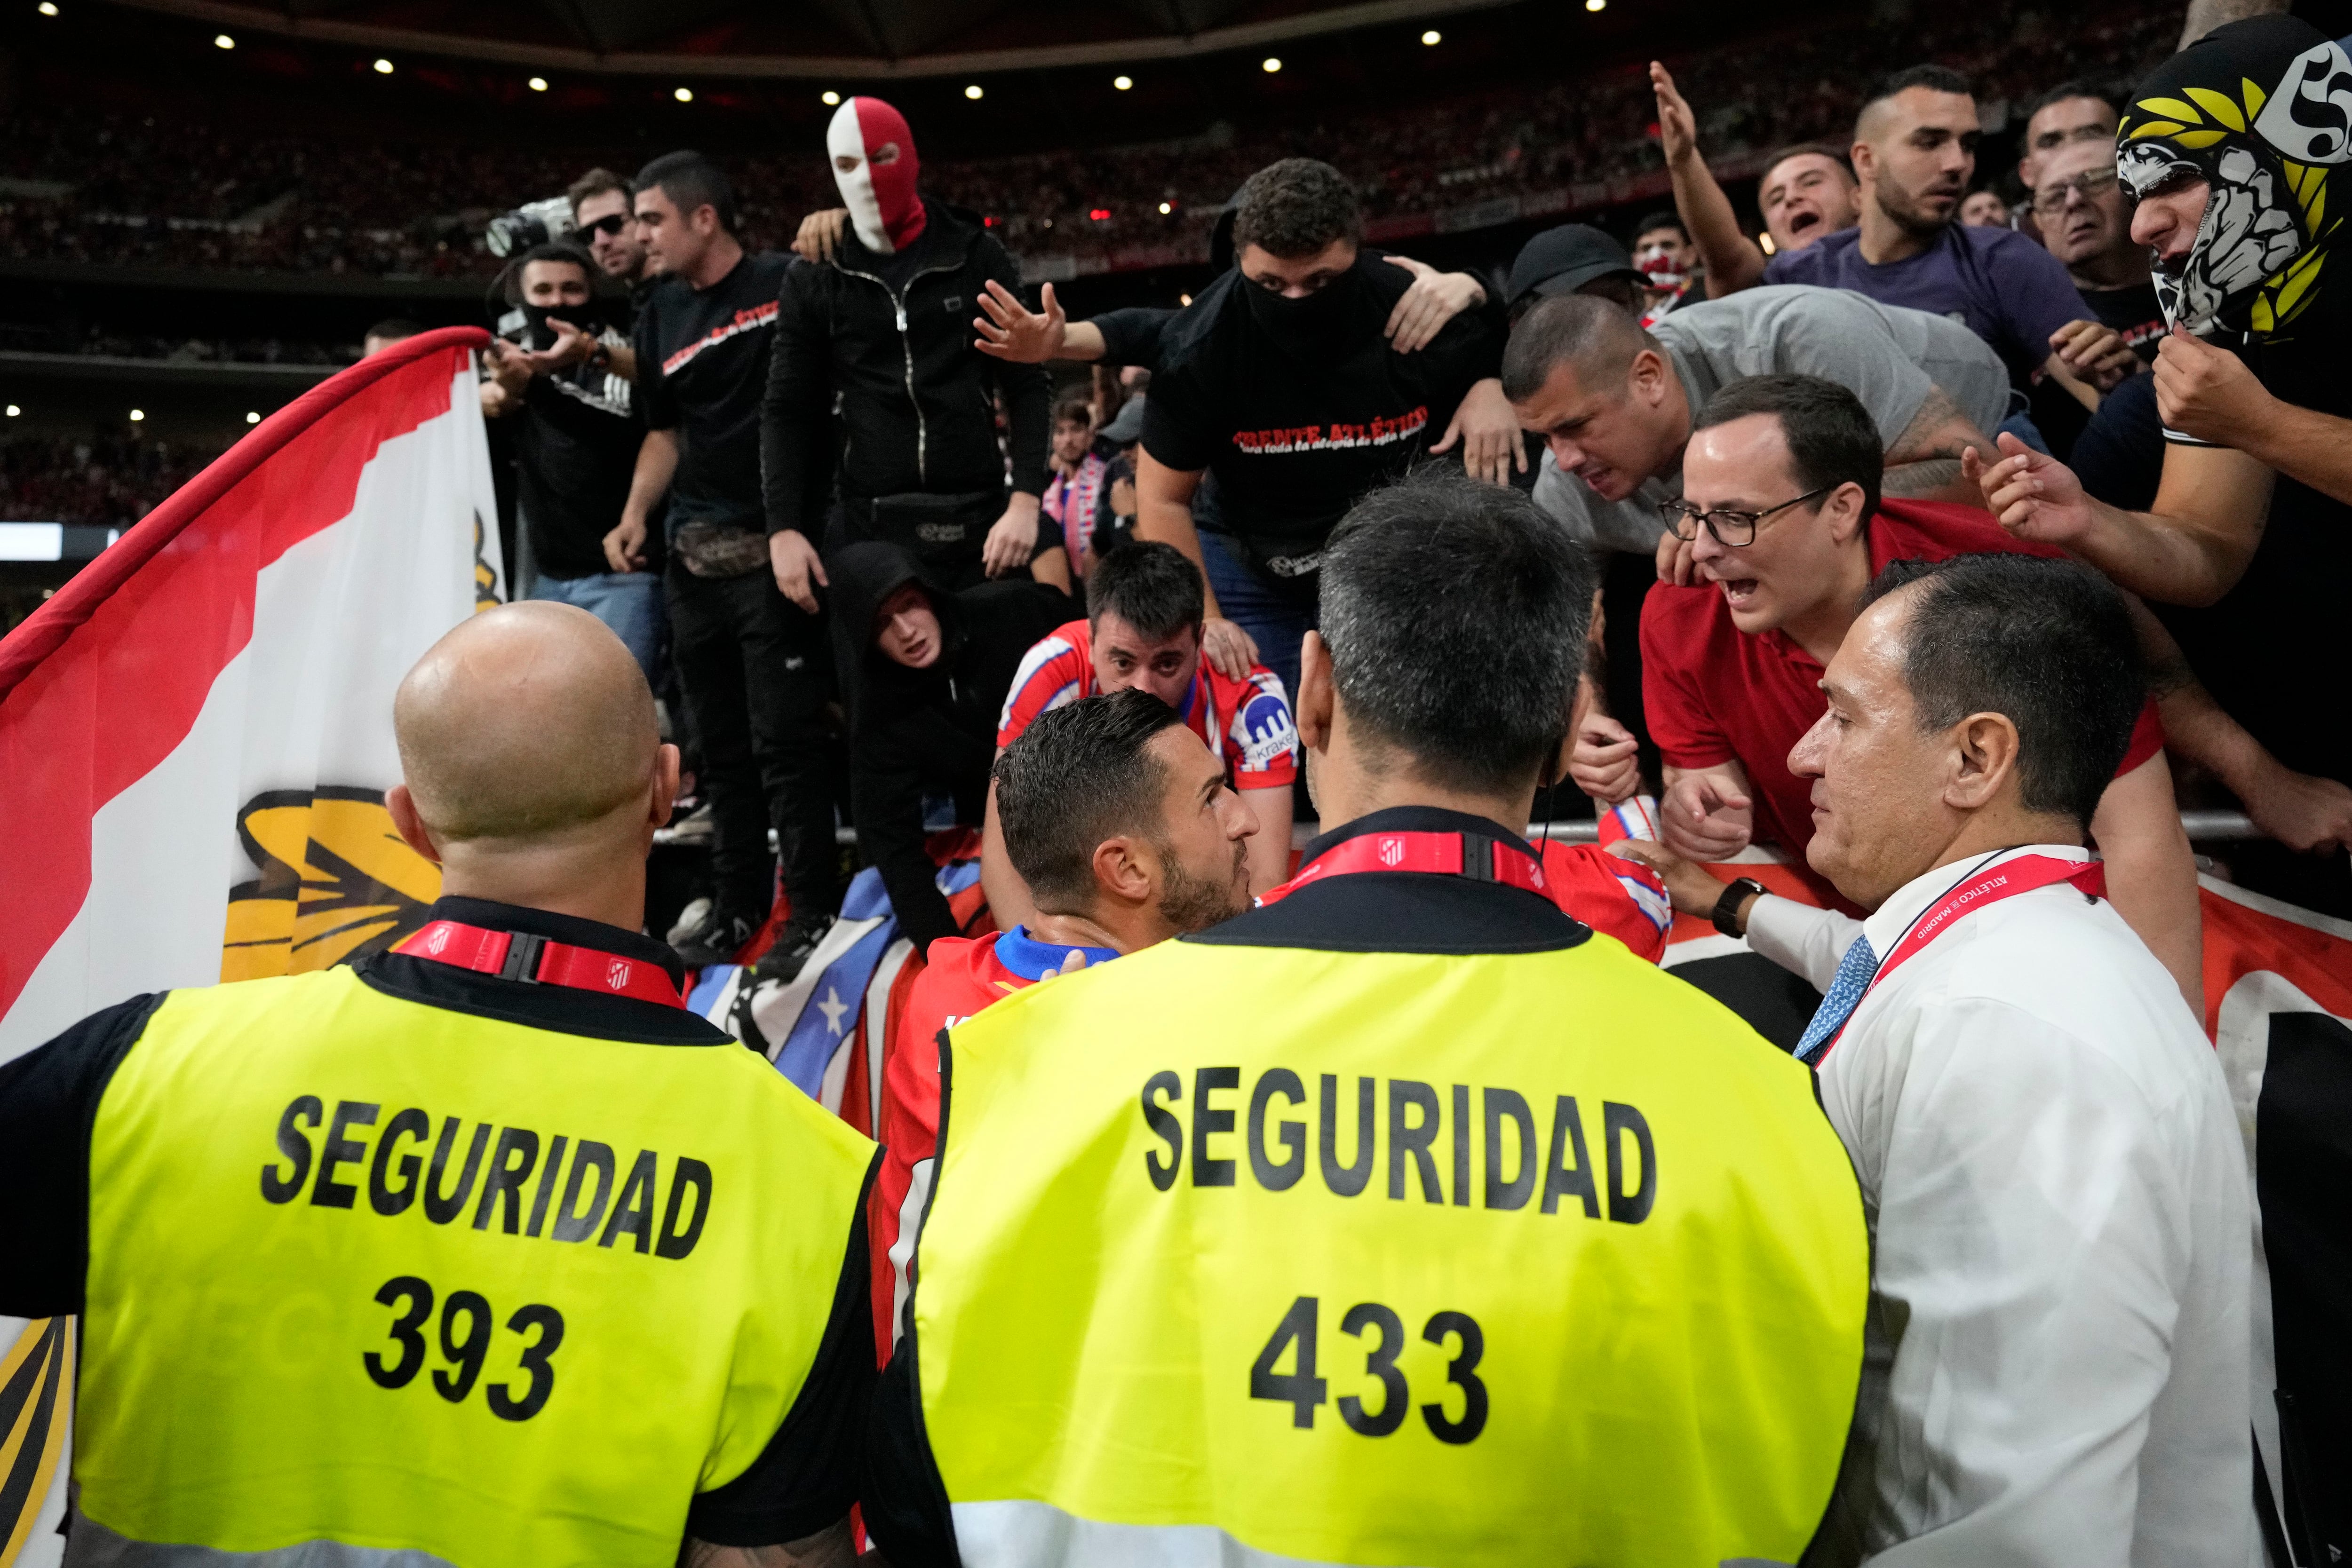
(1477, 858)
(523, 958)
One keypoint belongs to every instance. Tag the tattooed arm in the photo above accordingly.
(1924, 461)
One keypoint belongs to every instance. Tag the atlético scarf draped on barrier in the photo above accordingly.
(196, 738)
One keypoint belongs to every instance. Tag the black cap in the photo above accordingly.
(1562, 260)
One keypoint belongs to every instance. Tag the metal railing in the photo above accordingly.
(2202, 827)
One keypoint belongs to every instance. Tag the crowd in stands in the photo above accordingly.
(213, 350)
(110, 479)
(218, 198)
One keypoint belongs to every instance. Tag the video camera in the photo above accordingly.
(533, 223)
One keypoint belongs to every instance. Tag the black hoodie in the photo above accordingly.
(887, 342)
(929, 730)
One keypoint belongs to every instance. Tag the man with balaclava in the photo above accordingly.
(876, 395)
(2230, 149)
(2234, 149)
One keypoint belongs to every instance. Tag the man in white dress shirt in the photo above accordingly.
(2058, 1356)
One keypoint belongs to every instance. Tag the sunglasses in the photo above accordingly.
(610, 227)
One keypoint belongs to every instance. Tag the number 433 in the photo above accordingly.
(1302, 1390)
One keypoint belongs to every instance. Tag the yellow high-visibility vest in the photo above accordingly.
(1383, 1258)
(400, 1277)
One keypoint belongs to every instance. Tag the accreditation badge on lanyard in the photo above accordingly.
(2007, 880)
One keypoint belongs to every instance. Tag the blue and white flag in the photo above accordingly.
(808, 1026)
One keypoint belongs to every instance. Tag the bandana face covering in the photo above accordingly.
(588, 316)
(1311, 327)
(880, 191)
(2260, 110)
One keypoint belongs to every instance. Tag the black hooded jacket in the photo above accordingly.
(930, 729)
(888, 340)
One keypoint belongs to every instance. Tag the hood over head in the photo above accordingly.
(2262, 110)
(863, 576)
(880, 191)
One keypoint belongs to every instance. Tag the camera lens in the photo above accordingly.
(511, 232)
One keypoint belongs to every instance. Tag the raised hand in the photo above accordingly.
(1011, 330)
(2030, 493)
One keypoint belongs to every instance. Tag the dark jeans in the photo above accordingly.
(1278, 623)
(757, 671)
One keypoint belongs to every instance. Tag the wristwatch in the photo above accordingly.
(1727, 908)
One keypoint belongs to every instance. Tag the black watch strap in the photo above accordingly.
(1727, 908)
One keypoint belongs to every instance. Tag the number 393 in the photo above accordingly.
(466, 1348)
(1302, 1390)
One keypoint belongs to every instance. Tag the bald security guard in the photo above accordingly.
(483, 1251)
(1397, 1220)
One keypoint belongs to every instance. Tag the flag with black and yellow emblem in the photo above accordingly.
(196, 740)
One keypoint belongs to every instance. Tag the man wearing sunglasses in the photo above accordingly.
(1787, 527)
(601, 208)
(2086, 216)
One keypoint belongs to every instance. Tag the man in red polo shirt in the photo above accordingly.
(1145, 605)
(1122, 828)
(1786, 527)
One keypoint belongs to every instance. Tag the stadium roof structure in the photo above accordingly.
(847, 41)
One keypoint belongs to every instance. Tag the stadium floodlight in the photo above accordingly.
(831, 99)
(972, 91)
(251, 417)
(1123, 83)
(220, 40)
(13, 411)
(1432, 37)
(48, 7)
(382, 67)
(1596, 5)
(538, 84)
(137, 414)
(1271, 65)
(1166, 208)
(683, 95)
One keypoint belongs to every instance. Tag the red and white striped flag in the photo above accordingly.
(196, 738)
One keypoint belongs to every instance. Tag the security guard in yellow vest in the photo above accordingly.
(483, 1252)
(1401, 1219)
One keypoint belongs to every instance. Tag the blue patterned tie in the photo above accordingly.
(1853, 974)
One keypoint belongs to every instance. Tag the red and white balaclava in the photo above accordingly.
(880, 190)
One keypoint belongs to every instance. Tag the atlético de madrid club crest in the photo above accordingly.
(336, 883)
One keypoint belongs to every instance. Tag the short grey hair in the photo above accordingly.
(1455, 613)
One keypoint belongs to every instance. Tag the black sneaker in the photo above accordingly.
(716, 940)
(790, 955)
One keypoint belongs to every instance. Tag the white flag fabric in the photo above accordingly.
(196, 740)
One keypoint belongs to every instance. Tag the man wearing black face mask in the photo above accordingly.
(576, 438)
(1279, 380)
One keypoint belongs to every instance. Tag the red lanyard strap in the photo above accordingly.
(1474, 855)
(519, 956)
(2026, 873)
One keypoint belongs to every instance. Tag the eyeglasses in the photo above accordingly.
(1735, 529)
(2091, 185)
(609, 227)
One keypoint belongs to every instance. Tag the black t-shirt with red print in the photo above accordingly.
(1299, 407)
